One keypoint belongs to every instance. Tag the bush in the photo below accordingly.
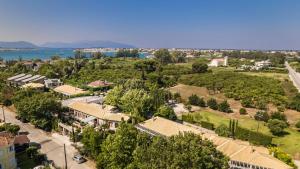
(224, 107)
(196, 101)
(276, 126)
(166, 112)
(212, 103)
(222, 130)
(278, 116)
(243, 111)
(253, 136)
(246, 102)
(188, 118)
(199, 67)
(298, 124)
(262, 116)
(207, 125)
(279, 154)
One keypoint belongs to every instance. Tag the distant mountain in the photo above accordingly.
(86, 44)
(18, 44)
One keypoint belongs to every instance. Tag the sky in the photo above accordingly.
(235, 24)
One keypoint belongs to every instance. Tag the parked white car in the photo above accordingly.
(79, 159)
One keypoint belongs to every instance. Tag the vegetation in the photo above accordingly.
(10, 128)
(196, 101)
(222, 130)
(166, 112)
(128, 148)
(262, 116)
(212, 103)
(278, 153)
(243, 111)
(277, 126)
(254, 91)
(224, 107)
(37, 108)
(199, 67)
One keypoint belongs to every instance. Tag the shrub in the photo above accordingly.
(243, 111)
(247, 102)
(278, 116)
(262, 116)
(177, 97)
(298, 124)
(196, 101)
(188, 118)
(166, 112)
(207, 125)
(276, 126)
(199, 67)
(253, 136)
(212, 103)
(224, 107)
(279, 154)
(222, 130)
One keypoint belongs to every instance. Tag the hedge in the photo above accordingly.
(253, 136)
(207, 125)
(188, 118)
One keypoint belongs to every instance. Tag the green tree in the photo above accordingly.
(114, 96)
(262, 116)
(163, 56)
(277, 126)
(279, 116)
(166, 112)
(11, 128)
(137, 102)
(222, 130)
(177, 97)
(118, 148)
(243, 111)
(196, 101)
(92, 140)
(38, 109)
(298, 124)
(224, 107)
(181, 151)
(145, 66)
(178, 57)
(212, 103)
(199, 67)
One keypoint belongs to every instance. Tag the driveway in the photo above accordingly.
(52, 145)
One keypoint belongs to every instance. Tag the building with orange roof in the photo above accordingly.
(7, 151)
(242, 155)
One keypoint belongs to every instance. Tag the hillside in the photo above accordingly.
(17, 44)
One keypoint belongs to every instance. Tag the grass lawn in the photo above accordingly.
(289, 143)
(24, 162)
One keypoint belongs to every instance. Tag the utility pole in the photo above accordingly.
(66, 164)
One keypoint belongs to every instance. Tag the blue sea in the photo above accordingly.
(44, 54)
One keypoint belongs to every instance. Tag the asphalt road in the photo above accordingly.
(294, 76)
(50, 145)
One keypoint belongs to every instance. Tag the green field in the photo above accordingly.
(289, 143)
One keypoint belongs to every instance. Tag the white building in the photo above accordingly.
(219, 62)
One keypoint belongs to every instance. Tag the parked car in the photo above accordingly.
(79, 159)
